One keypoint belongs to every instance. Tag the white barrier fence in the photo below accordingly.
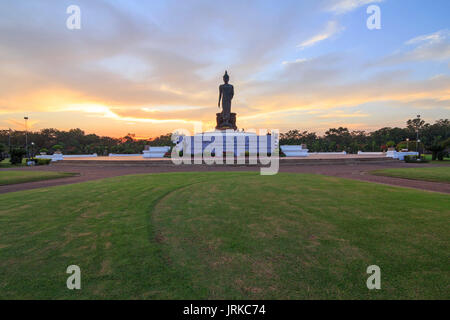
(80, 156)
(330, 153)
(59, 156)
(53, 157)
(153, 152)
(299, 151)
(392, 154)
(371, 153)
(156, 152)
(288, 150)
(124, 155)
(400, 155)
(294, 151)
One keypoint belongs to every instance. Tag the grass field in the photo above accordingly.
(429, 157)
(224, 236)
(435, 174)
(6, 164)
(13, 177)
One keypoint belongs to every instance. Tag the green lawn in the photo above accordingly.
(224, 236)
(435, 174)
(429, 157)
(12, 177)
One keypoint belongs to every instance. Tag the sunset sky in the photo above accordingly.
(150, 67)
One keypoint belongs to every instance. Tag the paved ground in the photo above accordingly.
(361, 172)
(320, 156)
(352, 171)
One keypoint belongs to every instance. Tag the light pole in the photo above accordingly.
(32, 150)
(407, 143)
(26, 135)
(417, 133)
(9, 140)
(417, 140)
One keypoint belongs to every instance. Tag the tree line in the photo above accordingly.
(76, 141)
(431, 136)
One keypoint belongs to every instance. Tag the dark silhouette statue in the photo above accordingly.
(226, 119)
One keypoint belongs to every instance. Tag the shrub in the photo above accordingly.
(415, 159)
(411, 146)
(42, 162)
(58, 147)
(17, 156)
(402, 145)
(43, 150)
(390, 144)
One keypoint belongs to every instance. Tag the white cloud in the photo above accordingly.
(331, 29)
(429, 47)
(343, 114)
(423, 48)
(300, 60)
(344, 6)
(432, 38)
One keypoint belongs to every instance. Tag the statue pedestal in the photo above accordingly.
(237, 142)
(221, 125)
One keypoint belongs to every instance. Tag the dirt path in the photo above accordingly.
(361, 172)
(354, 171)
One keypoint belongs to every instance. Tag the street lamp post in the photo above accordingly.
(32, 150)
(417, 133)
(418, 141)
(26, 136)
(9, 140)
(407, 143)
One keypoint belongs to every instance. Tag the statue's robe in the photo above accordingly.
(227, 91)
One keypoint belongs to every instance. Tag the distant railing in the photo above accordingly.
(294, 151)
(125, 155)
(156, 152)
(59, 156)
(330, 153)
(80, 155)
(371, 153)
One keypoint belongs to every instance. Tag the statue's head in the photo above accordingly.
(226, 77)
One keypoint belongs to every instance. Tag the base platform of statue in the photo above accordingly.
(221, 125)
(238, 142)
